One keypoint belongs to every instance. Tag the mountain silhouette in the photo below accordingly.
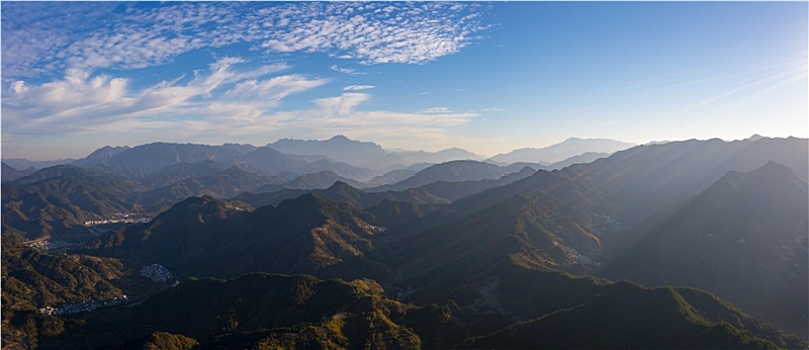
(561, 151)
(709, 238)
(744, 238)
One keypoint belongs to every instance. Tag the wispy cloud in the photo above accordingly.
(275, 88)
(344, 115)
(346, 70)
(76, 70)
(214, 107)
(341, 105)
(358, 87)
(39, 38)
(79, 101)
(436, 110)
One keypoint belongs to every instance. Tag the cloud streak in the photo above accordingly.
(224, 104)
(358, 87)
(80, 101)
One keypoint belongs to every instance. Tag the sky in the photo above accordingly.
(486, 77)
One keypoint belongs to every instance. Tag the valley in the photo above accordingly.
(266, 175)
(320, 244)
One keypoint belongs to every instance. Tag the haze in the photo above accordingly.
(486, 77)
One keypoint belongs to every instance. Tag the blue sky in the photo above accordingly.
(487, 77)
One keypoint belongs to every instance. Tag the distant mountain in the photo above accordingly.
(578, 159)
(24, 164)
(161, 160)
(345, 170)
(181, 171)
(321, 180)
(455, 190)
(344, 193)
(657, 179)
(743, 238)
(146, 159)
(10, 174)
(100, 156)
(447, 155)
(397, 175)
(270, 161)
(391, 213)
(561, 151)
(570, 192)
(459, 170)
(60, 171)
(341, 149)
(367, 154)
(225, 183)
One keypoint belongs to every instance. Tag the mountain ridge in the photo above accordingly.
(747, 230)
(510, 261)
(557, 152)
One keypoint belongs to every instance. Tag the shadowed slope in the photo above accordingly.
(744, 238)
(626, 315)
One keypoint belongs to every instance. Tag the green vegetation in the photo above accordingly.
(168, 341)
(500, 266)
(259, 309)
(33, 280)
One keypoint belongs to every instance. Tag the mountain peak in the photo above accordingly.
(339, 185)
(339, 138)
(774, 172)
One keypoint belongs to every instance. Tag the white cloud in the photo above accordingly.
(358, 87)
(343, 115)
(345, 70)
(79, 101)
(39, 38)
(108, 110)
(341, 105)
(65, 68)
(436, 110)
(75, 95)
(276, 88)
(19, 87)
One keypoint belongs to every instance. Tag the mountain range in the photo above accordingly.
(350, 158)
(561, 151)
(692, 244)
(744, 237)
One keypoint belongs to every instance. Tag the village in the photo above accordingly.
(88, 306)
(156, 273)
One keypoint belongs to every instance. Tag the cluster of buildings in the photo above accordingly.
(126, 220)
(373, 228)
(580, 259)
(156, 273)
(47, 245)
(86, 306)
(605, 224)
